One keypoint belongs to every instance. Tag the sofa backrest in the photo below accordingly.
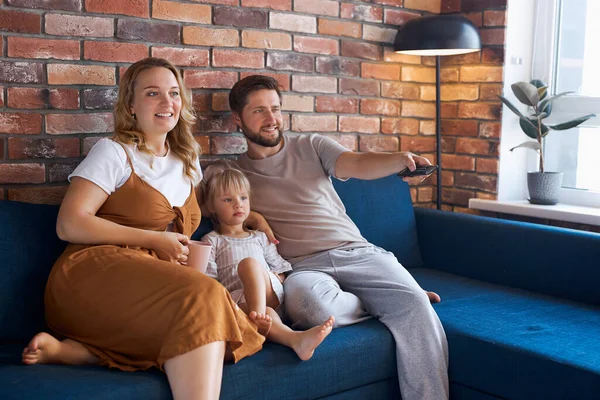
(29, 246)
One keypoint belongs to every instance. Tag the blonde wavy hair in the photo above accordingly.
(222, 181)
(180, 139)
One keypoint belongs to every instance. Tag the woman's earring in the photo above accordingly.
(133, 116)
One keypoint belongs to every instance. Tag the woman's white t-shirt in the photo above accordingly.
(106, 165)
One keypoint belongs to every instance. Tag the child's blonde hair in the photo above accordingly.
(228, 179)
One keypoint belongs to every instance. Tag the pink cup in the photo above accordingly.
(199, 254)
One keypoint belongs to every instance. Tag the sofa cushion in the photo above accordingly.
(29, 247)
(351, 357)
(376, 207)
(517, 344)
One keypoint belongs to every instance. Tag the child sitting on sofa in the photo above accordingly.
(249, 266)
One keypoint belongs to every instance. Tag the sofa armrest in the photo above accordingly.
(549, 260)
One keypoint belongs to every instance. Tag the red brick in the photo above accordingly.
(433, 6)
(32, 98)
(453, 161)
(361, 50)
(348, 141)
(476, 181)
(492, 36)
(457, 196)
(418, 74)
(304, 44)
(487, 165)
(240, 18)
(494, 18)
(79, 123)
(378, 34)
(425, 194)
(182, 56)
(476, 18)
(1, 96)
(318, 84)
(66, 5)
(380, 107)
(201, 102)
(342, 105)
(362, 12)
(40, 195)
(181, 12)
(114, 51)
(22, 173)
(238, 59)
(23, 47)
(321, 7)
(448, 144)
(359, 87)
(99, 99)
(406, 126)
(220, 101)
(338, 66)
(391, 56)
(479, 110)
(490, 130)
(210, 36)
(293, 22)
(398, 17)
(21, 72)
(449, 75)
(267, 40)
(449, 6)
(204, 142)
(59, 172)
(400, 90)
(20, 22)
(397, 3)
(359, 124)
(449, 110)
(221, 2)
(380, 71)
(19, 148)
(75, 25)
(480, 74)
(460, 59)
(339, 28)
(297, 103)
(477, 146)
(457, 127)
(228, 145)
(282, 79)
(418, 109)
(141, 30)
(215, 123)
(470, 5)
(378, 143)
(70, 74)
(135, 8)
(312, 123)
(290, 62)
(451, 92)
(209, 79)
(417, 144)
(20, 123)
(88, 143)
(281, 5)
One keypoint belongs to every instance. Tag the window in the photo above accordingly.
(566, 56)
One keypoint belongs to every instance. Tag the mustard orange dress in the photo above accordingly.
(133, 310)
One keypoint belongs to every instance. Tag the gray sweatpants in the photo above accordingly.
(353, 285)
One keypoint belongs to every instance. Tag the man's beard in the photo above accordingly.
(256, 138)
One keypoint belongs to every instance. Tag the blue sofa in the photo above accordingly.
(520, 308)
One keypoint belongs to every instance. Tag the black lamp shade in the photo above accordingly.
(437, 35)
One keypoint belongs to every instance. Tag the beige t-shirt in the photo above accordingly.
(293, 191)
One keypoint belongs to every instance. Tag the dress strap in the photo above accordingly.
(128, 158)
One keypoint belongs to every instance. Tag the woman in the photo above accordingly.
(119, 293)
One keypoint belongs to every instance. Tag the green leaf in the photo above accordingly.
(512, 108)
(544, 104)
(528, 145)
(526, 93)
(572, 124)
(530, 127)
(542, 92)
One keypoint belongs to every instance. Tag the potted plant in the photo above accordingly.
(543, 186)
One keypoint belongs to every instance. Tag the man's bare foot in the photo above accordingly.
(263, 322)
(433, 297)
(309, 340)
(46, 349)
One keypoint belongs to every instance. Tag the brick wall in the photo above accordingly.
(60, 62)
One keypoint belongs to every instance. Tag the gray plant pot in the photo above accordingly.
(544, 187)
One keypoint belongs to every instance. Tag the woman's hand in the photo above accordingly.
(257, 222)
(171, 246)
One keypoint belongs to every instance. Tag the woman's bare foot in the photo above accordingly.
(263, 322)
(308, 341)
(46, 349)
(433, 297)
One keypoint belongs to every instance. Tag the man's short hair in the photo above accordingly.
(238, 97)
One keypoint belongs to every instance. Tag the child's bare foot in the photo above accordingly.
(309, 340)
(263, 322)
(46, 349)
(433, 297)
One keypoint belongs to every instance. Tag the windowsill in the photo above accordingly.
(560, 212)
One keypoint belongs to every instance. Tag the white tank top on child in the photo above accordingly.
(106, 165)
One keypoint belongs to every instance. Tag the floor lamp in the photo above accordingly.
(438, 35)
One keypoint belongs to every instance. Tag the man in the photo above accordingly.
(292, 189)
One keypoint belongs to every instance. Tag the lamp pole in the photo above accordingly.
(438, 133)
